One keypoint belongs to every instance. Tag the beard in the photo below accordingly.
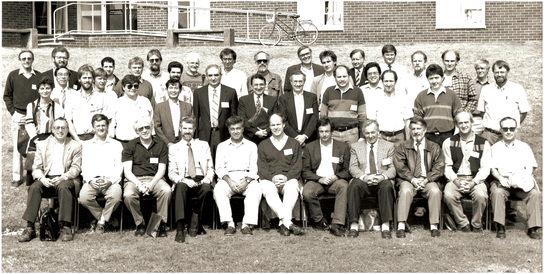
(154, 68)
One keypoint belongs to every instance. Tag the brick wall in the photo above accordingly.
(72, 17)
(17, 15)
(153, 18)
(124, 40)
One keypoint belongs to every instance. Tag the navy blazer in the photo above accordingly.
(318, 70)
(246, 110)
(228, 106)
(286, 105)
(311, 159)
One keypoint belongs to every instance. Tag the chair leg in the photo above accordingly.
(122, 205)
(395, 212)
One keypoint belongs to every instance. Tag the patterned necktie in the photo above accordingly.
(417, 169)
(389, 65)
(371, 160)
(191, 169)
(215, 108)
(357, 76)
(258, 104)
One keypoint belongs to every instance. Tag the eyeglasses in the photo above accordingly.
(60, 128)
(140, 129)
(262, 61)
(154, 60)
(61, 57)
(507, 129)
(27, 59)
(130, 86)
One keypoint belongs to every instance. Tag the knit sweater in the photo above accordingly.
(343, 109)
(20, 91)
(287, 161)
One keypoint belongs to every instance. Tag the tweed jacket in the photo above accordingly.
(384, 158)
(44, 158)
(311, 159)
(405, 161)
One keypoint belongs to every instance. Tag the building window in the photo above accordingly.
(326, 15)
(460, 14)
(189, 14)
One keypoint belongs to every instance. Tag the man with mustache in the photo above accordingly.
(309, 69)
(175, 69)
(155, 76)
(417, 81)
(60, 57)
(273, 85)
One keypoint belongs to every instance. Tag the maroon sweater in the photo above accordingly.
(287, 161)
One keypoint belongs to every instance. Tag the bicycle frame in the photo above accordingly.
(290, 31)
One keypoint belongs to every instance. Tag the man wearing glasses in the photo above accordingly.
(56, 165)
(145, 89)
(144, 163)
(273, 85)
(60, 57)
(512, 164)
(309, 69)
(232, 77)
(155, 76)
(127, 109)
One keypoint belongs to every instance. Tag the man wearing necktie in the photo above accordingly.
(357, 57)
(190, 168)
(419, 163)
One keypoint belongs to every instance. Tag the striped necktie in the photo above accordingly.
(215, 108)
(417, 169)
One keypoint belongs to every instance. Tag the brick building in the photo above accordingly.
(144, 22)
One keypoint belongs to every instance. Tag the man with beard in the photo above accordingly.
(459, 82)
(417, 81)
(273, 85)
(191, 77)
(322, 82)
(155, 76)
(167, 115)
(108, 64)
(145, 89)
(83, 105)
(502, 99)
(231, 76)
(374, 87)
(356, 73)
(60, 57)
(175, 69)
(309, 69)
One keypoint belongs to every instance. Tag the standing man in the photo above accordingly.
(437, 106)
(512, 166)
(466, 156)
(459, 82)
(144, 163)
(60, 57)
(155, 76)
(232, 77)
(345, 106)
(256, 109)
(175, 69)
(389, 54)
(237, 173)
(503, 99)
(374, 86)
(420, 164)
(56, 165)
(326, 169)
(356, 73)
(191, 77)
(108, 64)
(212, 105)
(190, 168)
(62, 90)
(371, 165)
(322, 82)
(101, 169)
(417, 81)
(167, 115)
(482, 71)
(20, 90)
(280, 164)
(273, 83)
(309, 69)
(145, 89)
(301, 110)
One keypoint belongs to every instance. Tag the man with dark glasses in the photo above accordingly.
(273, 83)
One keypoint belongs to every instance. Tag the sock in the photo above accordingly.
(385, 226)
(354, 226)
(401, 225)
(30, 225)
(244, 226)
(67, 224)
(102, 220)
(180, 225)
(433, 226)
(231, 223)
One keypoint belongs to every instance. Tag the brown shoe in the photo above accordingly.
(28, 235)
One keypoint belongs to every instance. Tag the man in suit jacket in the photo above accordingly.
(420, 164)
(326, 169)
(373, 173)
(309, 69)
(166, 115)
(211, 127)
(357, 57)
(301, 110)
(256, 109)
(320, 83)
(54, 175)
(60, 57)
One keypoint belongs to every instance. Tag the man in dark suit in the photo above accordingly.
(256, 109)
(306, 66)
(166, 115)
(210, 118)
(301, 109)
(60, 57)
(371, 165)
(356, 73)
(326, 169)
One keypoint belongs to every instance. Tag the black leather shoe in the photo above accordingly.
(296, 230)
(230, 231)
(66, 234)
(28, 235)
(353, 233)
(336, 230)
(533, 233)
(501, 231)
(386, 234)
(180, 236)
(201, 231)
(140, 230)
(322, 225)
(435, 233)
(284, 231)
(465, 228)
(247, 230)
(162, 230)
(401, 233)
(193, 225)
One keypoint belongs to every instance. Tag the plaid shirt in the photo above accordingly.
(464, 88)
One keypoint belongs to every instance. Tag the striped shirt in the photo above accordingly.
(343, 108)
(437, 109)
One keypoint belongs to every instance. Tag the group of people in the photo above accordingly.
(373, 130)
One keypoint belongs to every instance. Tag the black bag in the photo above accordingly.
(22, 140)
(49, 225)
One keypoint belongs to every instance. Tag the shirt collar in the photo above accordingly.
(379, 86)
(231, 143)
(23, 71)
(482, 83)
(470, 138)
(497, 86)
(327, 146)
(95, 140)
(423, 74)
(350, 86)
(150, 145)
(158, 75)
(279, 141)
(441, 90)
(422, 143)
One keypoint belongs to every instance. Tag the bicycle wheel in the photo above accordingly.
(270, 35)
(306, 33)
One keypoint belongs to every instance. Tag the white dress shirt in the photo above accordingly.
(102, 158)
(235, 79)
(238, 160)
(299, 108)
(325, 166)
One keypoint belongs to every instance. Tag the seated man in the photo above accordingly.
(236, 164)
(190, 168)
(280, 164)
(466, 155)
(101, 169)
(419, 164)
(373, 173)
(512, 164)
(144, 160)
(326, 169)
(56, 164)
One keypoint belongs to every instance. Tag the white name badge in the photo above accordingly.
(34, 86)
(386, 162)
(309, 111)
(353, 108)
(154, 160)
(75, 86)
(288, 152)
(224, 104)
(335, 160)
(265, 109)
(474, 154)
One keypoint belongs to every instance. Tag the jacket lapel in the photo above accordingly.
(335, 153)
(318, 155)
(48, 151)
(169, 115)
(206, 101)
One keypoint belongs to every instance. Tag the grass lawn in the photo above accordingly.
(268, 251)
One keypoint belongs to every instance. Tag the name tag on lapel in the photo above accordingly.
(386, 162)
(224, 104)
(288, 152)
(154, 160)
(34, 86)
(309, 111)
(265, 109)
(335, 160)
(75, 86)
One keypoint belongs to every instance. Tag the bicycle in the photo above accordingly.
(304, 31)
